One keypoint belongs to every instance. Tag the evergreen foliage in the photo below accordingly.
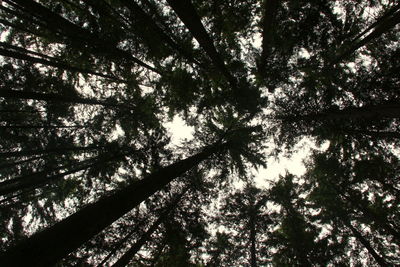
(89, 175)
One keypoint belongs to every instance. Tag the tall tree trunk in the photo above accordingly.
(119, 245)
(17, 94)
(383, 25)
(381, 222)
(144, 19)
(53, 63)
(55, 150)
(252, 226)
(54, 243)
(366, 244)
(78, 34)
(270, 8)
(41, 178)
(385, 135)
(128, 255)
(187, 13)
(16, 163)
(46, 127)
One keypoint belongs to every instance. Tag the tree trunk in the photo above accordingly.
(57, 64)
(41, 178)
(55, 150)
(118, 246)
(270, 8)
(385, 135)
(252, 226)
(16, 163)
(77, 34)
(128, 255)
(366, 244)
(144, 19)
(46, 127)
(381, 222)
(187, 13)
(384, 25)
(54, 243)
(17, 94)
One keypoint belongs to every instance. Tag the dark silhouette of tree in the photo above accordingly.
(89, 165)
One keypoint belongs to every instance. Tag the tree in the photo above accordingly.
(87, 89)
(73, 228)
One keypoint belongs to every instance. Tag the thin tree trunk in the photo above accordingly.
(118, 245)
(366, 244)
(14, 164)
(41, 178)
(187, 13)
(376, 134)
(78, 34)
(253, 257)
(144, 19)
(57, 64)
(270, 8)
(42, 127)
(55, 150)
(18, 94)
(381, 222)
(385, 16)
(383, 26)
(54, 243)
(128, 255)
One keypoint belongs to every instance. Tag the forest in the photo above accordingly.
(89, 172)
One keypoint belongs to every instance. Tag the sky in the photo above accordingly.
(178, 131)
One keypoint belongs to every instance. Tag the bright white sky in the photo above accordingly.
(178, 130)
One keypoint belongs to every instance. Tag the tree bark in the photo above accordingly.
(41, 178)
(253, 257)
(382, 26)
(54, 243)
(18, 94)
(144, 19)
(56, 150)
(367, 245)
(270, 8)
(77, 34)
(128, 255)
(187, 13)
(54, 63)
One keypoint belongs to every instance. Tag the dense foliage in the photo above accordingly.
(89, 175)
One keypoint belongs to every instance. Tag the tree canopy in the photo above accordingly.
(90, 176)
